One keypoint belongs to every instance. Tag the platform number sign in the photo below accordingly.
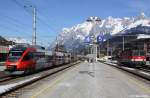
(100, 38)
(87, 39)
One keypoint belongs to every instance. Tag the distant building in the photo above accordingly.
(4, 42)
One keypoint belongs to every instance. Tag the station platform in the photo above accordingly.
(91, 80)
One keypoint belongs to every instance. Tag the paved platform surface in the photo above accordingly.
(88, 80)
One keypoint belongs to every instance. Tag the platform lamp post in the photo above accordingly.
(95, 21)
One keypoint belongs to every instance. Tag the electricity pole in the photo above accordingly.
(34, 27)
(123, 43)
(108, 47)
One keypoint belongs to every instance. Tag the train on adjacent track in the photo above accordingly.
(133, 58)
(27, 59)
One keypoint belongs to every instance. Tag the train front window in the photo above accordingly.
(135, 53)
(14, 55)
(138, 53)
(13, 59)
(142, 53)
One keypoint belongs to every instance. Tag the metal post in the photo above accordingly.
(99, 51)
(88, 50)
(123, 43)
(111, 52)
(96, 52)
(34, 27)
(108, 47)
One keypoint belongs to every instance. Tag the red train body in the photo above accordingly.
(30, 58)
(132, 58)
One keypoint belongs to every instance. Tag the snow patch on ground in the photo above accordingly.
(5, 88)
(145, 73)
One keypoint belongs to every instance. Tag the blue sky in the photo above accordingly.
(16, 21)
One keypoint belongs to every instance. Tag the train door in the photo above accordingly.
(148, 59)
(40, 60)
(28, 61)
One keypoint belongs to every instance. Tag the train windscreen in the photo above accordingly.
(142, 53)
(138, 53)
(14, 55)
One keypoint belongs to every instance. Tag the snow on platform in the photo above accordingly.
(8, 87)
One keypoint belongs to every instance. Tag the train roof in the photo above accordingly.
(59, 53)
(24, 46)
(48, 53)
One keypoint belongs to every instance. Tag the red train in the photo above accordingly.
(132, 58)
(27, 59)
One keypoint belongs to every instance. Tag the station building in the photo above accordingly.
(4, 49)
(135, 39)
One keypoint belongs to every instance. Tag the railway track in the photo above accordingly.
(17, 86)
(6, 79)
(146, 70)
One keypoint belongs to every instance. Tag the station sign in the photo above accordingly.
(100, 38)
(87, 39)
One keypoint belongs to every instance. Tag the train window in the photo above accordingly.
(142, 53)
(138, 53)
(15, 53)
(135, 53)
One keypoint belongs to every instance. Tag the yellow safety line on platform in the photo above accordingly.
(57, 80)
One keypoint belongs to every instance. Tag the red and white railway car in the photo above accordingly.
(67, 58)
(27, 59)
(58, 58)
(132, 58)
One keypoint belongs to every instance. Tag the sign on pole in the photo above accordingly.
(87, 39)
(100, 38)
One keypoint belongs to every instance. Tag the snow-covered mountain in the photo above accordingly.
(74, 37)
(18, 40)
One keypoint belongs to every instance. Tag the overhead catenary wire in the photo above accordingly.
(42, 15)
(10, 29)
(13, 28)
(15, 25)
(14, 20)
(39, 19)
